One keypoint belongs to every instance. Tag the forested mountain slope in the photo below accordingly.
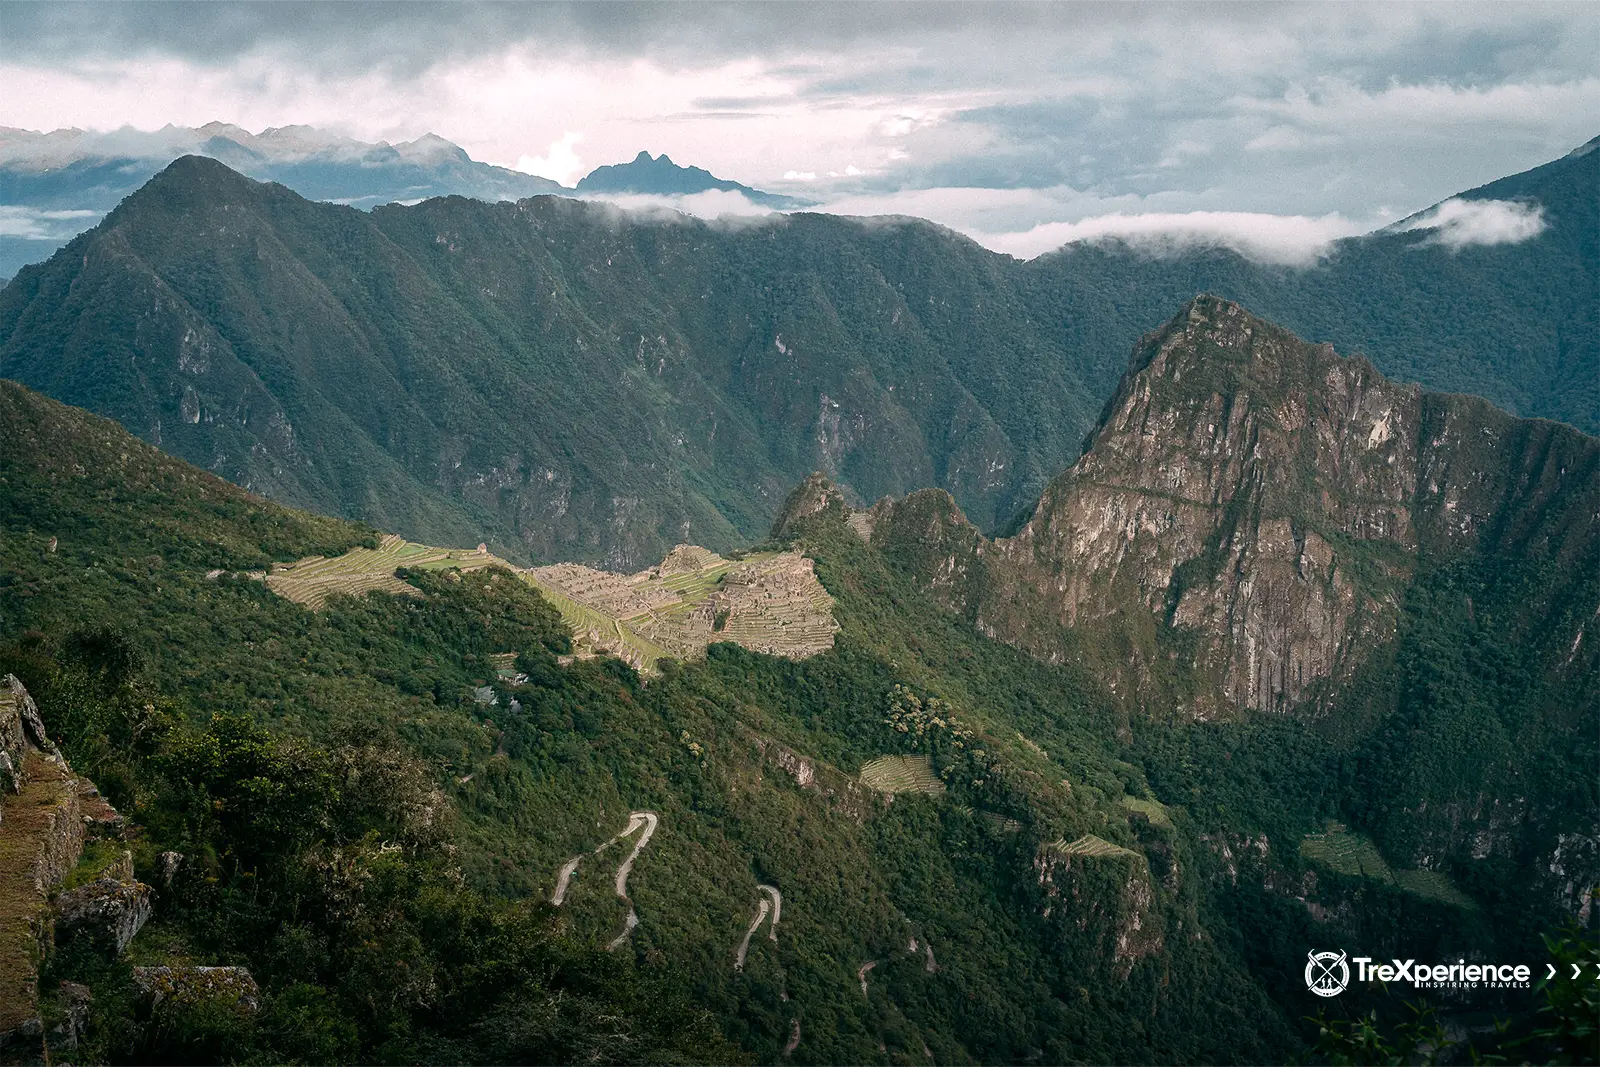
(565, 379)
(980, 856)
(570, 382)
(1261, 527)
(192, 693)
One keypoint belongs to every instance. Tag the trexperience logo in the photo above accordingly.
(1327, 973)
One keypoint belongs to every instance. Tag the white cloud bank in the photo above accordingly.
(1291, 240)
(32, 224)
(1458, 223)
(560, 162)
(710, 205)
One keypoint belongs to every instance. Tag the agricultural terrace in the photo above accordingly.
(1353, 854)
(313, 580)
(1090, 845)
(902, 774)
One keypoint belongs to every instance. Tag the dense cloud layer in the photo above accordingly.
(1267, 128)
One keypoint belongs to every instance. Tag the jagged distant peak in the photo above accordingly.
(659, 176)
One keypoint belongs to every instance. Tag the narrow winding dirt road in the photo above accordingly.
(567, 870)
(648, 820)
(771, 904)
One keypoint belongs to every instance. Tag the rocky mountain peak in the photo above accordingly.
(1262, 495)
(814, 496)
(1232, 458)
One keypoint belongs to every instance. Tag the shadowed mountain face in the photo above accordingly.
(557, 377)
(1273, 501)
(1260, 526)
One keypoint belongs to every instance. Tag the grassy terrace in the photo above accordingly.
(902, 774)
(1090, 845)
(1353, 854)
(26, 824)
(1153, 810)
(363, 570)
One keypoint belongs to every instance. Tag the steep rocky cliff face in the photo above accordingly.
(47, 813)
(1243, 527)
(1232, 456)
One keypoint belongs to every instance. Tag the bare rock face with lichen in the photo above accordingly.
(229, 987)
(21, 732)
(111, 908)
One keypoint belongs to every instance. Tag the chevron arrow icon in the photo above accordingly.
(1577, 970)
(1552, 973)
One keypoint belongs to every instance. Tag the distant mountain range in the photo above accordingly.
(570, 382)
(55, 185)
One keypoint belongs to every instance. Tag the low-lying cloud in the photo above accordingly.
(32, 224)
(711, 205)
(1030, 222)
(1458, 223)
(1289, 240)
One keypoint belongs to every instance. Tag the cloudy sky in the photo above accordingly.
(1276, 126)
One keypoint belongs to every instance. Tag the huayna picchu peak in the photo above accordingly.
(1270, 501)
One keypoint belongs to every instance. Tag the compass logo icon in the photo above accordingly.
(1327, 973)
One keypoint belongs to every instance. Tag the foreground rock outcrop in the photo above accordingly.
(46, 814)
(230, 987)
(110, 909)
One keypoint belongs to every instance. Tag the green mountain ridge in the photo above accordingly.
(1513, 323)
(748, 761)
(570, 382)
(558, 409)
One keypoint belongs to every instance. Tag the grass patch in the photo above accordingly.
(98, 857)
(1090, 845)
(1153, 810)
(1348, 853)
(1434, 885)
